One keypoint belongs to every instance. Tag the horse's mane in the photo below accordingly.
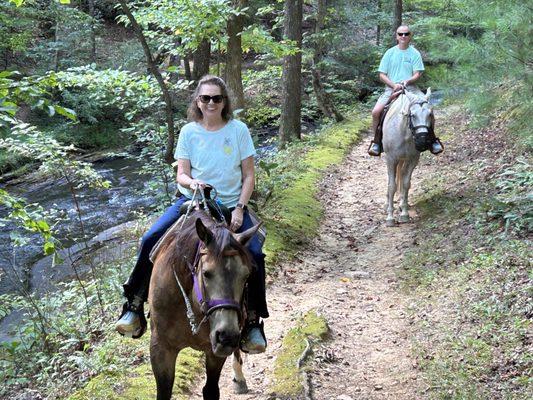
(181, 245)
(401, 105)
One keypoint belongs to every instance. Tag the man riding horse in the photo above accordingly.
(400, 67)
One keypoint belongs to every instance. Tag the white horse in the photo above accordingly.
(409, 115)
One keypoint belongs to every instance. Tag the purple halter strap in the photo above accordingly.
(209, 305)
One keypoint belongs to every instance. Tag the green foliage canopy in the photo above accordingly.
(189, 21)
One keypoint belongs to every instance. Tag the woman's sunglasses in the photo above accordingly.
(403, 33)
(206, 99)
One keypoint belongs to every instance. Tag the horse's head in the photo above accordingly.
(223, 269)
(420, 113)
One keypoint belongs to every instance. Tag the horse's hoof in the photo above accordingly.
(240, 387)
(390, 222)
(404, 218)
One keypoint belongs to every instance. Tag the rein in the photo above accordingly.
(207, 305)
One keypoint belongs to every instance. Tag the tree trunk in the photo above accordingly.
(6, 59)
(169, 152)
(201, 58)
(291, 111)
(233, 73)
(322, 98)
(93, 31)
(187, 67)
(378, 26)
(55, 60)
(398, 9)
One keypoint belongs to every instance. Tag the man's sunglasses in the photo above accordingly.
(403, 33)
(206, 99)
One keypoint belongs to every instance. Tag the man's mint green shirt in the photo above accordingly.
(400, 65)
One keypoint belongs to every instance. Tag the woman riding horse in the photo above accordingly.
(212, 149)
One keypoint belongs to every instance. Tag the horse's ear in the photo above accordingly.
(428, 94)
(244, 237)
(204, 233)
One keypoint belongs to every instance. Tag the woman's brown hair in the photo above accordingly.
(194, 113)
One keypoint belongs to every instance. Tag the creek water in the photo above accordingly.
(100, 210)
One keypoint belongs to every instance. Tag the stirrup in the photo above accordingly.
(258, 343)
(439, 150)
(132, 322)
(374, 149)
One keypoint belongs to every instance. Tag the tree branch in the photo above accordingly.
(169, 156)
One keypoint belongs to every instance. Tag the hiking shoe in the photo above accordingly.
(254, 341)
(128, 324)
(374, 149)
(437, 147)
(132, 322)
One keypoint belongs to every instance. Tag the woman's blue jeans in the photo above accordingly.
(139, 280)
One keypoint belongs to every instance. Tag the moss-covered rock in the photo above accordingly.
(290, 363)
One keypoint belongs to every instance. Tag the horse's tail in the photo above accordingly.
(399, 179)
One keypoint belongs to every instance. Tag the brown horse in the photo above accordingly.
(200, 269)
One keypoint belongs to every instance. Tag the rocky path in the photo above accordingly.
(348, 274)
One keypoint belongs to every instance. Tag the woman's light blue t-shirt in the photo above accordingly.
(216, 156)
(400, 65)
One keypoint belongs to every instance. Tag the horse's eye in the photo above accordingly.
(208, 274)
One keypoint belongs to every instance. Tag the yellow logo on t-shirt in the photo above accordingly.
(227, 147)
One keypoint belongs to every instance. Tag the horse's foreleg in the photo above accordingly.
(213, 366)
(407, 172)
(239, 381)
(391, 189)
(163, 359)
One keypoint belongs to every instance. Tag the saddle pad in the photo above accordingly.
(396, 107)
(261, 232)
(173, 227)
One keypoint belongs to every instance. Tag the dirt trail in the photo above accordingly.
(348, 274)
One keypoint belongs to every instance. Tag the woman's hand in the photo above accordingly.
(236, 218)
(197, 184)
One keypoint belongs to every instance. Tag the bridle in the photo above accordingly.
(207, 305)
(412, 127)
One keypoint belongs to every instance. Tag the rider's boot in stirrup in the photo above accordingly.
(375, 149)
(437, 147)
(132, 322)
(253, 337)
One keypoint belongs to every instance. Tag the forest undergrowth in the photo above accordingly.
(469, 271)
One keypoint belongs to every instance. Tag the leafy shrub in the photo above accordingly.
(107, 103)
(70, 45)
(514, 202)
(262, 91)
(100, 94)
(104, 135)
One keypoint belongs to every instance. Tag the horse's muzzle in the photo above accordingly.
(421, 130)
(225, 343)
(228, 339)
